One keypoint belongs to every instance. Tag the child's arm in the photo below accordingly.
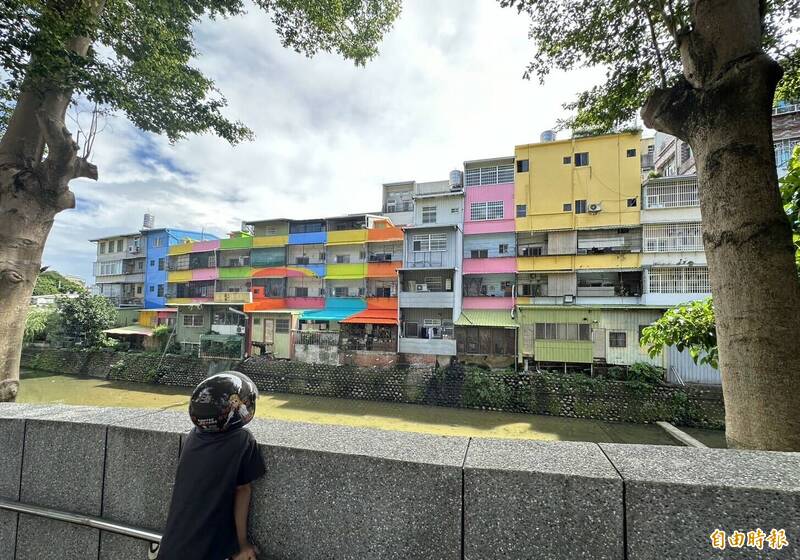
(241, 507)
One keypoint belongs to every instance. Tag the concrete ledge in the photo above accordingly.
(528, 499)
(676, 497)
(349, 493)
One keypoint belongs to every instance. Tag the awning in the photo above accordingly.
(374, 317)
(333, 314)
(136, 330)
(486, 318)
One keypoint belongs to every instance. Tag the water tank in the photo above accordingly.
(149, 221)
(456, 180)
(548, 136)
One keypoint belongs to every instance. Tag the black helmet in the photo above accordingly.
(223, 402)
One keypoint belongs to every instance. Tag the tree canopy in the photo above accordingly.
(139, 62)
(84, 318)
(52, 282)
(636, 41)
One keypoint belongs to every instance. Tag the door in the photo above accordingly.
(599, 344)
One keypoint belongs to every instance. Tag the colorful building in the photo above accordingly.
(119, 270)
(157, 242)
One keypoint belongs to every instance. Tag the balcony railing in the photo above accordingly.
(426, 260)
(492, 175)
(399, 207)
(784, 109)
(671, 192)
(233, 297)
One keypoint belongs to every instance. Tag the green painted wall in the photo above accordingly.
(235, 273)
(236, 243)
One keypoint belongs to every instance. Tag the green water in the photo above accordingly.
(45, 388)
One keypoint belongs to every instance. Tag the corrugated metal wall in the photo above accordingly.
(561, 242)
(689, 371)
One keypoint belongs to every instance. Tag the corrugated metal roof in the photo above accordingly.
(486, 318)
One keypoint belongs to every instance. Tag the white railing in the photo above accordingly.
(678, 280)
(492, 175)
(671, 192)
(781, 110)
(665, 238)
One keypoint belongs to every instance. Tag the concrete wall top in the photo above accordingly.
(342, 492)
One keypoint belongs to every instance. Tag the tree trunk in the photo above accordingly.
(722, 107)
(32, 191)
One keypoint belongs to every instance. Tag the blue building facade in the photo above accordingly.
(157, 243)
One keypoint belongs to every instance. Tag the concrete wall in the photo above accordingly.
(340, 492)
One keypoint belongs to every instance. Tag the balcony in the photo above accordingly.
(435, 259)
(784, 109)
(671, 192)
(347, 237)
(233, 297)
(430, 346)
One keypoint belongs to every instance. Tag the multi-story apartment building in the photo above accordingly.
(579, 250)
(156, 242)
(785, 133)
(430, 278)
(485, 331)
(120, 269)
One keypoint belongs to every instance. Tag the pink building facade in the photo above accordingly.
(489, 260)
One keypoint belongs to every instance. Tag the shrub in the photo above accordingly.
(484, 389)
(645, 373)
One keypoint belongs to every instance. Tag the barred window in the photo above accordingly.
(429, 214)
(282, 325)
(662, 238)
(617, 339)
(193, 320)
(563, 331)
(671, 193)
(480, 211)
(429, 242)
(679, 280)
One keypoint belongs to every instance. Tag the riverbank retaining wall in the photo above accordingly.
(572, 396)
(351, 493)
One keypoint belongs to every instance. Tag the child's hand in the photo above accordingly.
(247, 552)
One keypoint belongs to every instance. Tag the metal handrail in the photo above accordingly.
(84, 520)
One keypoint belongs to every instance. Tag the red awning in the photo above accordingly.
(374, 317)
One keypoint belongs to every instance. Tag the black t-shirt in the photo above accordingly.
(200, 524)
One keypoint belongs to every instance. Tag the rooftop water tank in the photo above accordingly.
(149, 221)
(456, 180)
(548, 136)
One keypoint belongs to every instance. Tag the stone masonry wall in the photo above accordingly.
(551, 394)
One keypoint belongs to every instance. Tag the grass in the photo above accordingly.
(39, 388)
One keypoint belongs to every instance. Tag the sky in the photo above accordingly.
(446, 87)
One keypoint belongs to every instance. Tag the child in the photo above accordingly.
(211, 499)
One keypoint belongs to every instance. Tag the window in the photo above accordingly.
(429, 242)
(138, 290)
(257, 321)
(301, 291)
(434, 283)
(102, 246)
(119, 245)
(342, 259)
(429, 214)
(152, 289)
(161, 290)
(412, 329)
(479, 254)
(631, 203)
(340, 291)
(502, 248)
(160, 264)
(581, 159)
(580, 206)
(686, 152)
(567, 160)
(193, 321)
(522, 210)
(158, 241)
(281, 325)
(567, 207)
(617, 339)
(454, 210)
(152, 262)
(679, 280)
(486, 210)
(489, 175)
(522, 166)
(631, 153)
(564, 331)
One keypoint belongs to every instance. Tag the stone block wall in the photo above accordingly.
(571, 396)
(351, 493)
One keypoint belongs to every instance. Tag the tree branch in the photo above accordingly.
(670, 109)
(654, 38)
(83, 168)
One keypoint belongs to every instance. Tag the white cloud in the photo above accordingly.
(446, 87)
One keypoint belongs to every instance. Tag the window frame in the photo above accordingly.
(522, 210)
(426, 214)
(581, 159)
(523, 166)
(581, 206)
(615, 337)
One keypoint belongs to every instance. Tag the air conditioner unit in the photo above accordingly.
(569, 298)
(422, 287)
(595, 207)
(239, 330)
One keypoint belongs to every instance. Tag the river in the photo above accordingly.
(39, 387)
